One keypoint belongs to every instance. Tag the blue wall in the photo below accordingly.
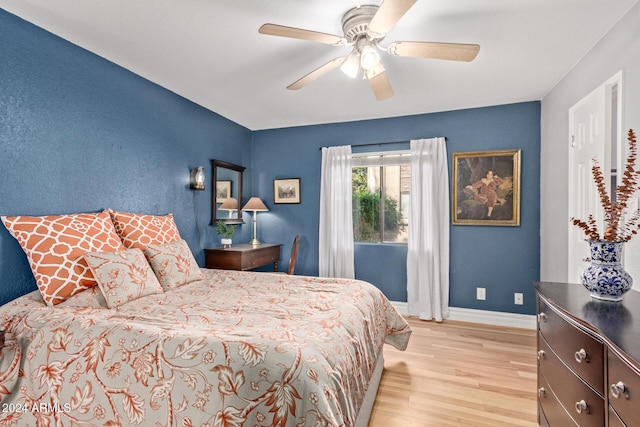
(80, 134)
(503, 260)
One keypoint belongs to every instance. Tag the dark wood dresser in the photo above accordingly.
(588, 358)
(243, 256)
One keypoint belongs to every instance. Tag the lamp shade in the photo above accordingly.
(369, 58)
(230, 204)
(351, 66)
(255, 204)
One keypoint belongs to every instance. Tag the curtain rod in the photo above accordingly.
(379, 143)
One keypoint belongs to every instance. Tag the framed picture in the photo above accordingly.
(486, 188)
(223, 191)
(286, 190)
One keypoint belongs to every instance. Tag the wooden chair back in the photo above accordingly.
(294, 255)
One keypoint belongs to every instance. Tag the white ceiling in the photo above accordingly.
(209, 51)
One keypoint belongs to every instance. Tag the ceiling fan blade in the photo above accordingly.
(449, 51)
(318, 72)
(379, 82)
(388, 14)
(298, 33)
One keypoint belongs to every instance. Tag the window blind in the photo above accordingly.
(383, 158)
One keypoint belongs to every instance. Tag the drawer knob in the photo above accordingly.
(582, 406)
(541, 317)
(540, 354)
(581, 355)
(617, 389)
(542, 392)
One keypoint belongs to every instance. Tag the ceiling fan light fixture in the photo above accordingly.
(369, 57)
(351, 66)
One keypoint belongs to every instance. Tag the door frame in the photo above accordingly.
(614, 137)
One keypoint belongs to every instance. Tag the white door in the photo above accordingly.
(593, 128)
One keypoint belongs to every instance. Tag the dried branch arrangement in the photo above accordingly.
(617, 229)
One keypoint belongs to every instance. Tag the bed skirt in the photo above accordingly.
(370, 397)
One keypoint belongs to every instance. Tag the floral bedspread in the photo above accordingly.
(235, 349)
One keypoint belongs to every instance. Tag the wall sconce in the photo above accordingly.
(197, 178)
(230, 205)
(255, 204)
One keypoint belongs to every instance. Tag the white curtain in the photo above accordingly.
(336, 222)
(428, 245)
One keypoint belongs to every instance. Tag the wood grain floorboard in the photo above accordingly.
(459, 374)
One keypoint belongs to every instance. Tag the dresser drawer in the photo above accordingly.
(243, 256)
(578, 350)
(624, 390)
(614, 419)
(260, 257)
(542, 418)
(583, 404)
(552, 413)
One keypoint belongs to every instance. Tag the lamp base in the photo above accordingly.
(255, 242)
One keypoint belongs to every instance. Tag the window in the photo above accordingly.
(381, 183)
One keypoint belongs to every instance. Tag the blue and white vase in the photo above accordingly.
(604, 277)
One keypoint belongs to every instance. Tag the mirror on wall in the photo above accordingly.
(226, 189)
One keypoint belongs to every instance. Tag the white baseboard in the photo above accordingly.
(516, 320)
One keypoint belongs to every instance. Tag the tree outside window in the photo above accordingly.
(381, 202)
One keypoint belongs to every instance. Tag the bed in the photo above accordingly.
(126, 329)
(231, 349)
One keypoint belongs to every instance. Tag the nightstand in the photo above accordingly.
(243, 256)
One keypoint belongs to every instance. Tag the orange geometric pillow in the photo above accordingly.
(55, 246)
(138, 230)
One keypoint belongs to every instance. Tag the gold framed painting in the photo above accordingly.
(486, 188)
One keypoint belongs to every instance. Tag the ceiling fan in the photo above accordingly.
(364, 28)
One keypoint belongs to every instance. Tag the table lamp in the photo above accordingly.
(255, 204)
(230, 205)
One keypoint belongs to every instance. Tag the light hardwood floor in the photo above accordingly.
(459, 374)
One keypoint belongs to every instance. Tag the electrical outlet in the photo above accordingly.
(481, 294)
(518, 298)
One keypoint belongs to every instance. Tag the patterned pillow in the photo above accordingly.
(122, 275)
(138, 230)
(55, 245)
(173, 264)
